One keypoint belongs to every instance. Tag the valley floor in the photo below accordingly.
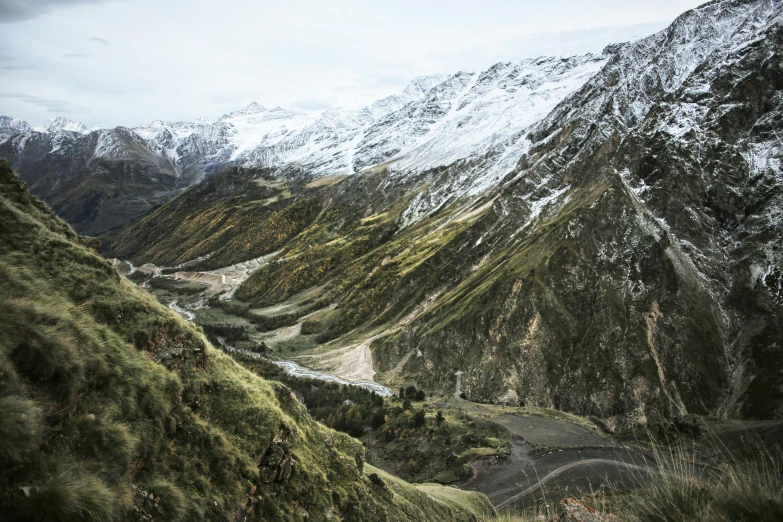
(552, 455)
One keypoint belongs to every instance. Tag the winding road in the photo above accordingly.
(552, 456)
(553, 474)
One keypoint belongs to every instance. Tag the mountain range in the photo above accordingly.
(597, 234)
(435, 121)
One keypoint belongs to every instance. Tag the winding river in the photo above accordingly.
(293, 369)
(300, 372)
(187, 314)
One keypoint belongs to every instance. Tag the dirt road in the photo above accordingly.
(552, 455)
(593, 463)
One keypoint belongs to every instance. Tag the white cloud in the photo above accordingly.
(16, 10)
(182, 59)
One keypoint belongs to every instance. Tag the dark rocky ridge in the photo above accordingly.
(93, 192)
(653, 289)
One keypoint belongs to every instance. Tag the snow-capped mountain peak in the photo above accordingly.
(64, 124)
(7, 122)
(421, 85)
(252, 108)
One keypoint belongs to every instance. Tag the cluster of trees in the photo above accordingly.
(354, 418)
(349, 409)
(403, 423)
(411, 393)
(234, 335)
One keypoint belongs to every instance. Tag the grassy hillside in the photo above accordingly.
(113, 408)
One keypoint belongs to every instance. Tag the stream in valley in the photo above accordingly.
(292, 368)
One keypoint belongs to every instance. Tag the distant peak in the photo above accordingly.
(421, 85)
(64, 124)
(253, 107)
(7, 122)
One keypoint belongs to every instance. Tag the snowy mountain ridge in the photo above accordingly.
(434, 121)
(468, 130)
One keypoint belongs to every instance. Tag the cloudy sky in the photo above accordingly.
(128, 62)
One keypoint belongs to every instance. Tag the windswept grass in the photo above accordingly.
(710, 483)
(702, 482)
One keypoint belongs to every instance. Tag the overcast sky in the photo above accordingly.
(128, 62)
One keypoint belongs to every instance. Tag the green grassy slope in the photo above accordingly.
(113, 408)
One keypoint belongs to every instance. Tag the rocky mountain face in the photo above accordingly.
(101, 179)
(618, 253)
(629, 263)
(95, 181)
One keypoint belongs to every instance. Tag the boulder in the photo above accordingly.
(572, 510)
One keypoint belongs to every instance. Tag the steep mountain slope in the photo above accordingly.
(113, 408)
(94, 181)
(106, 178)
(608, 295)
(627, 265)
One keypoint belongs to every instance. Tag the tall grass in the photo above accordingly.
(708, 482)
(702, 482)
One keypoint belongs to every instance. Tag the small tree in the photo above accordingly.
(419, 419)
(402, 392)
(439, 417)
(406, 405)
